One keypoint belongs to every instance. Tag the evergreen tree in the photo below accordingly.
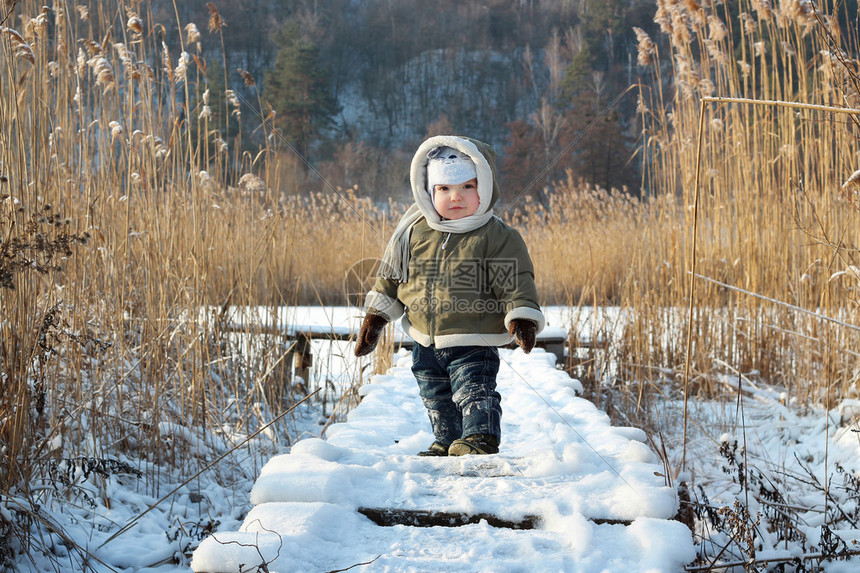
(298, 89)
(602, 155)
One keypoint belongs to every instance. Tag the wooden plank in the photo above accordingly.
(553, 340)
(320, 332)
(389, 517)
(315, 332)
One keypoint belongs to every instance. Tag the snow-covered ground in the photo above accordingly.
(786, 455)
(106, 517)
(597, 492)
(794, 467)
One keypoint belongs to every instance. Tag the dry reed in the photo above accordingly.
(773, 220)
(104, 346)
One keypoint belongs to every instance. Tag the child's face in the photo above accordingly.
(456, 201)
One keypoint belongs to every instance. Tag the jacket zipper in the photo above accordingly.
(430, 289)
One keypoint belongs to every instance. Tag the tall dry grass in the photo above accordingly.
(157, 211)
(770, 216)
(581, 240)
(127, 207)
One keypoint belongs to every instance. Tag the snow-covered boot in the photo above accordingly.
(481, 444)
(435, 449)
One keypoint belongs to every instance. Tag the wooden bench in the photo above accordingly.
(552, 339)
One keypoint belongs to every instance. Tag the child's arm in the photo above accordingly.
(382, 300)
(381, 308)
(512, 276)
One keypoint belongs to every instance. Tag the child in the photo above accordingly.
(464, 284)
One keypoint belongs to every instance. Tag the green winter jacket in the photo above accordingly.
(463, 288)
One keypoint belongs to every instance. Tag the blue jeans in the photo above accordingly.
(458, 387)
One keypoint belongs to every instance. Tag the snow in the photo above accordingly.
(168, 511)
(345, 322)
(561, 460)
(775, 459)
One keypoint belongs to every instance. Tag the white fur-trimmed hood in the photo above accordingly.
(480, 153)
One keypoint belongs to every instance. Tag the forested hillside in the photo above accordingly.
(355, 85)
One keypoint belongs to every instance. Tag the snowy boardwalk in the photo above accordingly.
(567, 492)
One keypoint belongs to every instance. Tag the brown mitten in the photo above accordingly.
(524, 333)
(368, 336)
